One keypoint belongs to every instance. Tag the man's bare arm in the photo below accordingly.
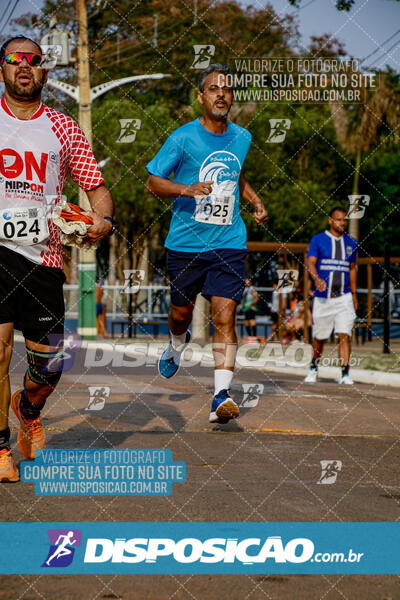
(160, 186)
(255, 295)
(101, 201)
(353, 284)
(102, 206)
(248, 194)
(312, 269)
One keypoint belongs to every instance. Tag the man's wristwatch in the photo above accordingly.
(113, 225)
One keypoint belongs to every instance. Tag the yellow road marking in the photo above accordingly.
(300, 432)
(292, 431)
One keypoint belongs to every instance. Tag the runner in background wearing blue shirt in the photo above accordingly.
(207, 238)
(332, 259)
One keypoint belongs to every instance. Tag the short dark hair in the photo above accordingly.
(214, 68)
(339, 208)
(17, 37)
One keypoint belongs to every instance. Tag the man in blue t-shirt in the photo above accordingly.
(207, 238)
(332, 259)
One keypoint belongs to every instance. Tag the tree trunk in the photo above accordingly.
(122, 259)
(143, 262)
(353, 226)
(140, 260)
(122, 262)
(73, 279)
(112, 260)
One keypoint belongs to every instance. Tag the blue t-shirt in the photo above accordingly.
(334, 254)
(193, 154)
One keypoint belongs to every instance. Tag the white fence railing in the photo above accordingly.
(149, 301)
(153, 301)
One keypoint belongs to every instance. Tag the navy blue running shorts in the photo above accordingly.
(213, 273)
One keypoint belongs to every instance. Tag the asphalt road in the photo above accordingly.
(262, 467)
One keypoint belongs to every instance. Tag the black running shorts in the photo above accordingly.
(31, 296)
(250, 314)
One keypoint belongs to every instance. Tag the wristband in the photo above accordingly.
(113, 224)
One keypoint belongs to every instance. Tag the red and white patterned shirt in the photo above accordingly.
(35, 158)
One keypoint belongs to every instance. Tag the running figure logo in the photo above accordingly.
(129, 129)
(62, 547)
(330, 470)
(279, 129)
(251, 394)
(97, 397)
(51, 53)
(287, 280)
(357, 207)
(133, 280)
(68, 344)
(203, 54)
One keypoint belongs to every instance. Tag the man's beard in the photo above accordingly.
(219, 114)
(339, 230)
(17, 90)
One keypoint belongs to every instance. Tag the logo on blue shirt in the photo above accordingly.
(223, 168)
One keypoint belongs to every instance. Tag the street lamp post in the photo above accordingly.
(87, 258)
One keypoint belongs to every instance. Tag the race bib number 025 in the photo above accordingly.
(216, 210)
(24, 226)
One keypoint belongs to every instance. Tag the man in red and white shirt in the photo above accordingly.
(39, 146)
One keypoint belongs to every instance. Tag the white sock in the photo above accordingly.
(222, 379)
(178, 340)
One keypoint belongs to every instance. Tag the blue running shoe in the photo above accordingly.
(168, 364)
(223, 408)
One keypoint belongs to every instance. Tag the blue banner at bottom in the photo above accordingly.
(199, 548)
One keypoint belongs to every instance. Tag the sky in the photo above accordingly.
(363, 30)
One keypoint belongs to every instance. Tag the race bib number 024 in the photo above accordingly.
(216, 210)
(24, 226)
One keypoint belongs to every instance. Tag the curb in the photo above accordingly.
(358, 375)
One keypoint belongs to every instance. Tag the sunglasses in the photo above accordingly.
(15, 58)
